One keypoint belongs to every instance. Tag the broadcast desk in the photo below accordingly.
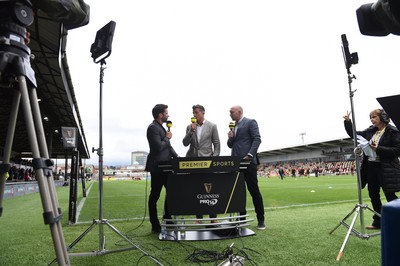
(204, 186)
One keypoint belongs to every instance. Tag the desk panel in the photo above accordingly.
(206, 193)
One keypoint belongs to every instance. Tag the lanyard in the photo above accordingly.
(377, 136)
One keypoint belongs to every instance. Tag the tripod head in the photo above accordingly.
(15, 16)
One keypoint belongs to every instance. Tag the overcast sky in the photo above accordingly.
(281, 61)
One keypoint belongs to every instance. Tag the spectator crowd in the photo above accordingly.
(24, 170)
(21, 171)
(306, 168)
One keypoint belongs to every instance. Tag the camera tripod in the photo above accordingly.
(358, 210)
(15, 70)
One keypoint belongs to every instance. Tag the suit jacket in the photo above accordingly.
(209, 144)
(247, 139)
(160, 146)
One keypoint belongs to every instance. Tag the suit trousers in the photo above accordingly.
(250, 176)
(158, 181)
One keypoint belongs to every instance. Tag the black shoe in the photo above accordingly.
(156, 230)
(261, 225)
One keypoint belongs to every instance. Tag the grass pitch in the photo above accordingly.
(300, 214)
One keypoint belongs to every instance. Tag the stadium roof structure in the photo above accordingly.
(325, 145)
(389, 103)
(55, 92)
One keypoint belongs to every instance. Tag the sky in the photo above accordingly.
(282, 61)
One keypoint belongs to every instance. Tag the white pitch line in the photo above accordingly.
(309, 205)
(250, 209)
(82, 202)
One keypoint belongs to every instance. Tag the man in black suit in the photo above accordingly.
(244, 141)
(160, 150)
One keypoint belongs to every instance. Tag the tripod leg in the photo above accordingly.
(129, 241)
(82, 235)
(51, 212)
(374, 212)
(348, 233)
(43, 146)
(344, 219)
(8, 145)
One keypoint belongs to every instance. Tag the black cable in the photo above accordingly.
(203, 256)
(247, 258)
(145, 204)
(144, 214)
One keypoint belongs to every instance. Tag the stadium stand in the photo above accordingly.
(333, 157)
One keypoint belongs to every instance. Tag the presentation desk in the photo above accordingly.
(204, 186)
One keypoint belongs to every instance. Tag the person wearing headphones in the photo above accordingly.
(382, 170)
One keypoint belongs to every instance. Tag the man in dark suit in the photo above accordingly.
(244, 141)
(160, 150)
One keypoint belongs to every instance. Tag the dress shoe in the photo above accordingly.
(372, 227)
(156, 230)
(261, 225)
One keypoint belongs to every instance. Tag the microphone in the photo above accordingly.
(193, 120)
(231, 125)
(169, 125)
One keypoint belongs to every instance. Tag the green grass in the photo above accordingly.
(300, 214)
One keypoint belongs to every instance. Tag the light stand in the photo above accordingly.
(103, 45)
(359, 208)
(15, 69)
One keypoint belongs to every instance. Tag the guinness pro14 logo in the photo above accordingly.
(208, 199)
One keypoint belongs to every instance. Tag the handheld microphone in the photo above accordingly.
(169, 125)
(231, 125)
(193, 120)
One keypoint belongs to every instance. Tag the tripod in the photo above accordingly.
(101, 222)
(358, 210)
(15, 66)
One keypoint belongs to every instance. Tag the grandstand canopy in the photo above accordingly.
(55, 91)
(318, 146)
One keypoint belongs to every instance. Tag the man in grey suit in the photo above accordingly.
(201, 135)
(244, 141)
(160, 150)
(203, 138)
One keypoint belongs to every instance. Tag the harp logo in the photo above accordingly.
(208, 187)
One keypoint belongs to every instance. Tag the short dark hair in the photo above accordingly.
(158, 109)
(198, 106)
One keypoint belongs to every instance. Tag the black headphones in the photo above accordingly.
(384, 117)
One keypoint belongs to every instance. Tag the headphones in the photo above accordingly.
(383, 116)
